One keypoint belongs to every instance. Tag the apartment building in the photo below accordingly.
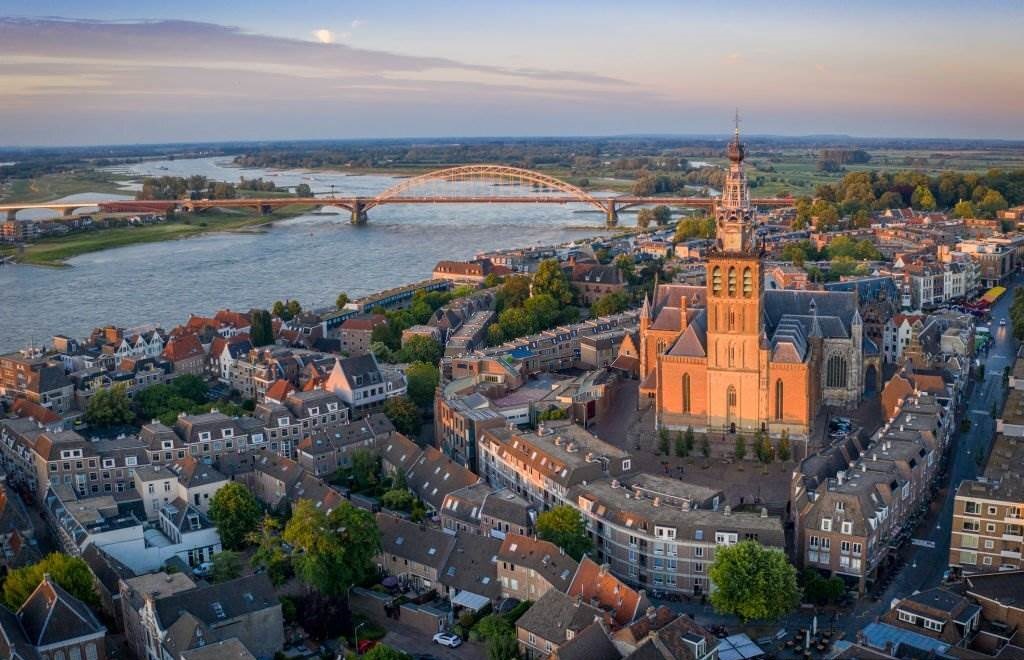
(660, 533)
(41, 380)
(543, 465)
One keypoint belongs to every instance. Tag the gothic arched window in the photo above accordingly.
(748, 283)
(835, 371)
(732, 281)
(778, 399)
(686, 393)
(730, 397)
(716, 281)
(732, 355)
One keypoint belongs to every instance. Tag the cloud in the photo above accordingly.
(358, 23)
(324, 36)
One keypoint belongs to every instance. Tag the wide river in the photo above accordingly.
(310, 258)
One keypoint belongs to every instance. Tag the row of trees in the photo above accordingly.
(859, 194)
(1017, 313)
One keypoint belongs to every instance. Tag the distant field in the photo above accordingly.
(54, 186)
(55, 251)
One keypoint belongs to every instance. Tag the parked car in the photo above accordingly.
(203, 570)
(451, 640)
(365, 645)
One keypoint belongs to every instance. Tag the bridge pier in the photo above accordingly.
(266, 209)
(12, 214)
(612, 215)
(359, 216)
(67, 213)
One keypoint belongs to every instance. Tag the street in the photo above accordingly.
(925, 566)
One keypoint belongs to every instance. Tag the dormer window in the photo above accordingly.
(204, 436)
(314, 411)
(282, 421)
(227, 433)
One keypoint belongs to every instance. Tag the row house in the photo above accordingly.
(186, 354)
(240, 618)
(852, 524)
(461, 415)
(205, 436)
(660, 533)
(397, 298)
(131, 343)
(543, 465)
(188, 479)
(479, 509)
(559, 348)
(279, 482)
(362, 384)
(322, 453)
(528, 568)
(356, 333)
(17, 532)
(133, 375)
(594, 281)
(300, 415)
(37, 378)
(87, 467)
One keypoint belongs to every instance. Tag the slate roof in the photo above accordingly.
(554, 613)
(51, 615)
(229, 649)
(408, 540)
(472, 565)
(591, 644)
(838, 305)
(434, 475)
(360, 371)
(694, 340)
(543, 557)
(13, 637)
(216, 603)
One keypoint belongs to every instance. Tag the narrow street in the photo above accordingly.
(925, 566)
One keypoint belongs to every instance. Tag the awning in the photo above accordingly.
(470, 600)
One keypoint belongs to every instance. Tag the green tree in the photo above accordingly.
(384, 652)
(644, 218)
(564, 526)
(262, 330)
(404, 414)
(341, 300)
(610, 303)
(236, 513)
(740, 447)
(992, 203)
(503, 647)
(753, 582)
(964, 209)
(785, 452)
(303, 190)
(71, 573)
(542, 310)
(365, 469)
(226, 566)
(922, 199)
(398, 499)
(280, 310)
(763, 447)
(109, 407)
(680, 445)
(663, 441)
(513, 293)
(422, 378)
(551, 414)
(333, 550)
(662, 215)
(705, 447)
(494, 625)
(420, 348)
(270, 551)
(688, 440)
(550, 279)
(294, 308)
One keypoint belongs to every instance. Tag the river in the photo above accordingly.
(310, 258)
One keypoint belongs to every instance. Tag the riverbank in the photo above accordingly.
(57, 250)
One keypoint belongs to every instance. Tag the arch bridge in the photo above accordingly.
(465, 184)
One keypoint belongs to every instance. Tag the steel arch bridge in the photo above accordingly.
(465, 184)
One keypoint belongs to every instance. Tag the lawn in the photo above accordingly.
(55, 251)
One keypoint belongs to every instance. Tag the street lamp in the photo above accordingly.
(357, 636)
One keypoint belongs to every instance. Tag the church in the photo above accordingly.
(731, 356)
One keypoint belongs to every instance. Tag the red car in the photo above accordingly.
(365, 645)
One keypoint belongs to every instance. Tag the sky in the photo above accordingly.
(129, 71)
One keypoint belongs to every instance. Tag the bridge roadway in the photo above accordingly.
(358, 206)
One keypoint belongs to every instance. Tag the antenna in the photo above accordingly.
(737, 122)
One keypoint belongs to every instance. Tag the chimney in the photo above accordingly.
(652, 613)
(682, 313)
(764, 512)
(727, 510)
(604, 570)
(579, 600)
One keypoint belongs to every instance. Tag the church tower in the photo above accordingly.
(734, 303)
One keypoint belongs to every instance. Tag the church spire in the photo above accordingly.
(734, 215)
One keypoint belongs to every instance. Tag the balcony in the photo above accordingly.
(1017, 538)
(1011, 554)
